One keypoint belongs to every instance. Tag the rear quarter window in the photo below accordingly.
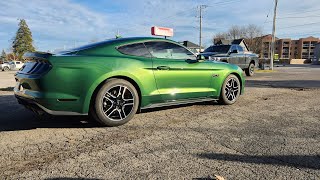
(137, 49)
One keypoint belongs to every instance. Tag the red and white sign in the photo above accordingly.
(161, 31)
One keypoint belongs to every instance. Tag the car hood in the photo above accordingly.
(216, 54)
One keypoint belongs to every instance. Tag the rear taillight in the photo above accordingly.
(36, 63)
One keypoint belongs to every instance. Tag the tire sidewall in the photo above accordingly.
(97, 106)
(248, 72)
(223, 97)
(251, 66)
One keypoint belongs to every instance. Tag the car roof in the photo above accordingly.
(116, 42)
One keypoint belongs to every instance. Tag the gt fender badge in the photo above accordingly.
(215, 75)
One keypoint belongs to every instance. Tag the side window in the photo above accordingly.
(168, 50)
(135, 50)
(17, 62)
(240, 49)
(233, 48)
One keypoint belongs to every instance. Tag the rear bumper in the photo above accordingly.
(34, 102)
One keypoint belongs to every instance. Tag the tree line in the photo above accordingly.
(252, 34)
(22, 42)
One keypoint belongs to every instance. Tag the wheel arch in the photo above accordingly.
(240, 79)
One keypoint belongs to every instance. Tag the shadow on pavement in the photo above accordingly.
(304, 84)
(14, 116)
(68, 178)
(302, 65)
(297, 161)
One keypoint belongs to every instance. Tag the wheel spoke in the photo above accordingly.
(112, 101)
(112, 112)
(106, 111)
(110, 95)
(122, 114)
(123, 92)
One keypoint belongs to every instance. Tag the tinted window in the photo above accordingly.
(168, 51)
(233, 48)
(240, 49)
(220, 49)
(135, 50)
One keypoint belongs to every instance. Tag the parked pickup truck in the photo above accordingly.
(12, 65)
(233, 54)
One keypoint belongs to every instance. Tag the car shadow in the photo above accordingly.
(294, 84)
(296, 161)
(14, 116)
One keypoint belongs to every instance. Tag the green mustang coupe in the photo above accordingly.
(112, 80)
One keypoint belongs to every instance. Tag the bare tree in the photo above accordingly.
(251, 33)
(235, 32)
(219, 36)
(253, 38)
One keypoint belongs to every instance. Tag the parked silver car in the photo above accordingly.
(12, 65)
(5, 66)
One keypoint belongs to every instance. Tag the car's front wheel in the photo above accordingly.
(230, 90)
(115, 103)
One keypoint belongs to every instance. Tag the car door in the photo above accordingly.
(178, 75)
(241, 57)
(233, 55)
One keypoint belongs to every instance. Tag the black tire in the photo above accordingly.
(6, 69)
(250, 70)
(230, 91)
(116, 103)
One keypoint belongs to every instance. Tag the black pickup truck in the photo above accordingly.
(233, 54)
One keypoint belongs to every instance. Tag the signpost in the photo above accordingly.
(162, 31)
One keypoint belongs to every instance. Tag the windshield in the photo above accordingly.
(220, 49)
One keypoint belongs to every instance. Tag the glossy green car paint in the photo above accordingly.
(72, 80)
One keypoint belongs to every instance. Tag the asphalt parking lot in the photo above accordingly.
(272, 132)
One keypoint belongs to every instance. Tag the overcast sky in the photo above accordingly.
(57, 24)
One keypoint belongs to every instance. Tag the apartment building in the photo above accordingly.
(290, 49)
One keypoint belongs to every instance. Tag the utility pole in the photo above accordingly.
(200, 30)
(273, 34)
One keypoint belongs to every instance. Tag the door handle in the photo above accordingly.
(163, 67)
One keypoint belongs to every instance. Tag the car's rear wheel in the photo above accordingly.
(250, 70)
(230, 90)
(115, 103)
(6, 69)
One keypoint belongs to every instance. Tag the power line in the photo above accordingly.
(223, 2)
(300, 12)
(299, 25)
(220, 3)
(266, 17)
(297, 17)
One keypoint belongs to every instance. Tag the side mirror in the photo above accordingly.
(200, 57)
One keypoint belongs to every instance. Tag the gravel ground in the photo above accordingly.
(272, 132)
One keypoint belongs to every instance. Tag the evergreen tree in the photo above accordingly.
(3, 56)
(23, 40)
